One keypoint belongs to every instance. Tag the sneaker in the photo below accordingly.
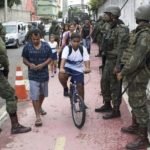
(20, 129)
(42, 112)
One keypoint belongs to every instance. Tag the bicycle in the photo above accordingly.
(78, 107)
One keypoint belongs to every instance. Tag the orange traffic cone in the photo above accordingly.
(20, 88)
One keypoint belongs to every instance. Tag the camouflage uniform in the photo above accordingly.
(117, 41)
(137, 71)
(2, 32)
(114, 43)
(105, 87)
(137, 92)
(6, 91)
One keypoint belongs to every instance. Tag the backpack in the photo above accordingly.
(80, 49)
(70, 51)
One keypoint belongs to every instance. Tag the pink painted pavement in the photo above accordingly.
(97, 134)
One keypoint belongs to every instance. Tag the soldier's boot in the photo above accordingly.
(133, 128)
(105, 108)
(16, 127)
(141, 142)
(115, 113)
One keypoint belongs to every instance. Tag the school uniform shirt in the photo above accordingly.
(75, 60)
(53, 46)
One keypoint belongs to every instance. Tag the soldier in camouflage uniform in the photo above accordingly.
(116, 41)
(8, 93)
(2, 32)
(103, 83)
(137, 69)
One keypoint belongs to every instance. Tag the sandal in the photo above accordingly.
(42, 112)
(38, 123)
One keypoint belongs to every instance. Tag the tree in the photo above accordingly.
(10, 3)
(95, 4)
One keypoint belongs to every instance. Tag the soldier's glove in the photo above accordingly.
(6, 72)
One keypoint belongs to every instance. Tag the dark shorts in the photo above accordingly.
(54, 56)
(75, 75)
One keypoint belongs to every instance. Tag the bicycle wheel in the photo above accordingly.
(78, 111)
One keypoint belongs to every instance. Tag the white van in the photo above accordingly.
(15, 33)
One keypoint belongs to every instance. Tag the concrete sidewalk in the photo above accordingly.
(58, 131)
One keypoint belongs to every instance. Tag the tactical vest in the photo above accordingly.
(112, 38)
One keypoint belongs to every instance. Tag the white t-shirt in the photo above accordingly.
(53, 46)
(76, 58)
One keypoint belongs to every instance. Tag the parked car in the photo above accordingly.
(15, 33)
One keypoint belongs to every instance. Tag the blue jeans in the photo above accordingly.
(87, 44)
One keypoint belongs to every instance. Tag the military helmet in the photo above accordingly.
(143, 13)
(116, 11)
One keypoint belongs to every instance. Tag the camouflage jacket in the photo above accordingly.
(127, 53)
(103, 29)
(4, 64)
(2, 32)
(140, 52)
(116, 42)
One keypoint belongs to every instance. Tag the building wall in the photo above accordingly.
(23, 12)
(48, 8)
(15, 15)
(127, 13)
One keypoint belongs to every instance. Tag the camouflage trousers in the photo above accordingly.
(138, 102)
(109, 84)
(8, 93)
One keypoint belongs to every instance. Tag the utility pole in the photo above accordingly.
(6, 10)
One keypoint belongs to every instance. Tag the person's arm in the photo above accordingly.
(87, 66)
(122, 44)
(48, 59)
(139, 55)
(91, 30)
(62, 66)
(64, 56)
(64, 40)
(86, 59)
(30, 65)
(42, 65)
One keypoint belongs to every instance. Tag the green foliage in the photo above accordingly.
(95, 4)
(10, 3)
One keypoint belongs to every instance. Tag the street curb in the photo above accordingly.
(3, 115)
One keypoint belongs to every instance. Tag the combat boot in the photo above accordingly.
(114, 114)
(16, 127)
(105, 108)
(133, 128)
(141, 142)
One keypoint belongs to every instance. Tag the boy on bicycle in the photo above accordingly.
(74, 58)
